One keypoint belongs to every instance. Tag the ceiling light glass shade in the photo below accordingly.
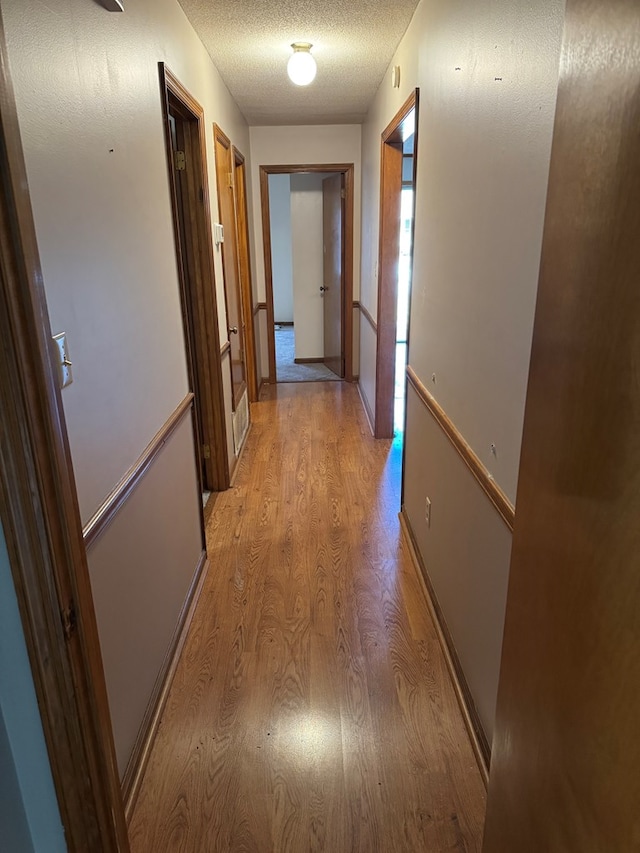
(301, 67)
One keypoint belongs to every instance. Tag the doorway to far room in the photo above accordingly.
(299, 245)
(307, 217)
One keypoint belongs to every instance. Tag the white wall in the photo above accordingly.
(298, 145)
(89, 107)
(29, 816)
(281, 250)
(487, 72)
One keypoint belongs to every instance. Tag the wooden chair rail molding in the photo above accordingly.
(365, 313)
(225, 348)
(479, 742)
(493, 491)
(107, 511)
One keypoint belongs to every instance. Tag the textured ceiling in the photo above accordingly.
(249, 42)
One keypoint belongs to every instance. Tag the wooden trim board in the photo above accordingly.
(285, 169)
(308, 360)
(107, 511)
(366, 408)
(139, 758)
(472, 722)
(493, 491)
(191, 208)
(225, 348)
(367, 316)
(244, 267)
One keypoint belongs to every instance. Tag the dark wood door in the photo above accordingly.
(333, 266)
(190, 268)
(233, 299)
(565, 769)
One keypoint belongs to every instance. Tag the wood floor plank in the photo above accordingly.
(311, 709)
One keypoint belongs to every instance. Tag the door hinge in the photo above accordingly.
(230, 180)
(343, 194)
(179, 161)
(206, 451)
(69, 621)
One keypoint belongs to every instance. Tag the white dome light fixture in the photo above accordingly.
(301, 67)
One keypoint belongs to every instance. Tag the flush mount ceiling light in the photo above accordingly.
(301, 67)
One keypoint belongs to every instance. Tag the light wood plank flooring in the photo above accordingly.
(311, 709)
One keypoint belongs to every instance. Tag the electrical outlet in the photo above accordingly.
(427, 511)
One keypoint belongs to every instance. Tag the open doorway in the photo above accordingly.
(405, 269)
(307, 216)
(307, 240)
(397, 204)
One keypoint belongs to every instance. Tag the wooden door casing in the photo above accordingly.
(194, 256)
(389, 251)
(244, 267)
(229, 247)
(348, 170)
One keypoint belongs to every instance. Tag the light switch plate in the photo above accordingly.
(65, 377)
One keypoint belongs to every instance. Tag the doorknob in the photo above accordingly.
(323, 288)
(233, 330)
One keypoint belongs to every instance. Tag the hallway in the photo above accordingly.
(311, 708)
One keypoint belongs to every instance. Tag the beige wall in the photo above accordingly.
(89, 107)
(466, 550)
(297, 145)
(487, 73)
(155, 584)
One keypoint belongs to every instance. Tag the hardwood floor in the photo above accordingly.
(312, 709)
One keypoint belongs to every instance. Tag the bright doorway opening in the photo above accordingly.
(405, 266)
(397, 199)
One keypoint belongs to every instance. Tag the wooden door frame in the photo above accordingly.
(389, 240)
(42, 527)
(347, 169)
(221, 138)
(207, 358)
(244, 263)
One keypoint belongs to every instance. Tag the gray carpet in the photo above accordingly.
(287, 370)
